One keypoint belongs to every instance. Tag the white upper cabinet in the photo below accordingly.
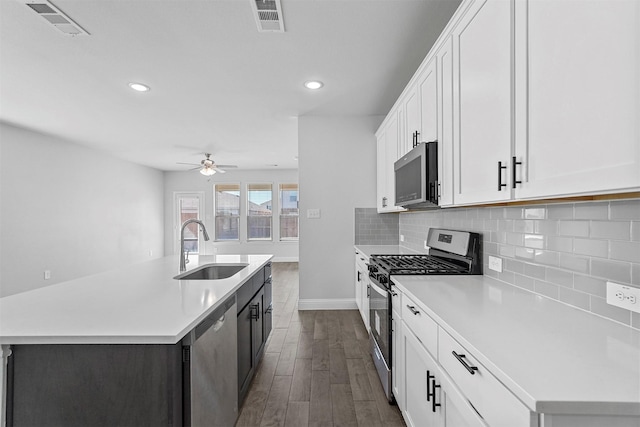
(578, 82)
(445, 123)
(387, 152)
(412, 131)
(482, 102)
(428, 91)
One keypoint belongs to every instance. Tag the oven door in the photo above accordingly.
(380, 339)
(379, 314)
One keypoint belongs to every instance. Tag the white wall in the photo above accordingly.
(193, 181)
(71, 210)
(337, 161)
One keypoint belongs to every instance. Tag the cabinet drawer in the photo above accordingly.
(423, 326)
(494, 403)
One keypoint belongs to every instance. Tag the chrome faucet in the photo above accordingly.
(183, 255)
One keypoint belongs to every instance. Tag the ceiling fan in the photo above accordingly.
(208, 167)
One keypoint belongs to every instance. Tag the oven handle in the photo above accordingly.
(382, 291)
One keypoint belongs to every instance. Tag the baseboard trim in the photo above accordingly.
(284, 259)
(327, 304)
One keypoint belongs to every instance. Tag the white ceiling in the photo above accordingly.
(217, 84)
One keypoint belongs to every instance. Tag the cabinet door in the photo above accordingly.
(391, 144)
(268, 308)
(397, 360)
(381, 171)
(412, 121)
(579, 63)
(428, 91)
(245, 355)
(482, 102)
(358, 284)
(421, 397)
(257, 326)
(445, 123)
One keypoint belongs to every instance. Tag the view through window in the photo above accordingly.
(259, 211)
(289, 213)
(227, 208)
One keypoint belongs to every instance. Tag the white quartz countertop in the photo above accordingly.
(138, 304)
(369, 250)
(554, 358)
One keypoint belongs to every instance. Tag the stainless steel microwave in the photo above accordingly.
(416, 177)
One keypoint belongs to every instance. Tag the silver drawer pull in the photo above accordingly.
(412, 308)
(461, 358)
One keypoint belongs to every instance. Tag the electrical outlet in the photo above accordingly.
(402, 237)
(622, 296)
(150, 252)
(425, 245)
(495, 264)
(47, 274)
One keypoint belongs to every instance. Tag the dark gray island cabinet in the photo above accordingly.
(128, 384)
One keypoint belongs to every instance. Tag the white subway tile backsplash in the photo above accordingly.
(592, 247)
(573, 228)
(625, 209)
(559, 244)
(524, 282)
(591, 210)
(547, 289)
(560, 277)
(590, 285)
(579, 264)
(563, 251)
(560, 211)
(547, 257)
(611, 270)
(535, 213)
(574, 298)
(625, 251)
(620, 230)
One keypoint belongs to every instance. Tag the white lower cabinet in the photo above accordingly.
(361, 284)
(431, 399)
(397, 366)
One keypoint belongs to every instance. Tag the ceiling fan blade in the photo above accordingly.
(226, 166)
(220, 170)
(190, 164)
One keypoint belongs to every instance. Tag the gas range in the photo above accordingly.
(451, 252)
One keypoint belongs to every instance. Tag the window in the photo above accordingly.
(227, 207)
(289, 212)
(259, 211)
(188, 207)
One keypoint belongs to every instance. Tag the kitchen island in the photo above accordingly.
(107, 349)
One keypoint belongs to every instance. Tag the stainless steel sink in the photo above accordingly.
(211, 272)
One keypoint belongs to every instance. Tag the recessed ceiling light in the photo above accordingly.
(139, 87)
(313, 84)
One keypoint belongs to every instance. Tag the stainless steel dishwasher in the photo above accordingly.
(210, 376)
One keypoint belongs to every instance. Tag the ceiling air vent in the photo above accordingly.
(56, 17)
(268, 15)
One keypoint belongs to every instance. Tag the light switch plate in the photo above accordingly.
(313, 213)
(623, 296)
(495, 264)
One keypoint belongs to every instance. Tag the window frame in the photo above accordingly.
(248, 216)
(177, 223)
(281, 215)
(216, 237)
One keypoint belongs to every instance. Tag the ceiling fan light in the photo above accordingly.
(207, 171)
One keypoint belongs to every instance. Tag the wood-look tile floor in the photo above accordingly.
(316, 370)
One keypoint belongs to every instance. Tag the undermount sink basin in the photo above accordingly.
(211, 272)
